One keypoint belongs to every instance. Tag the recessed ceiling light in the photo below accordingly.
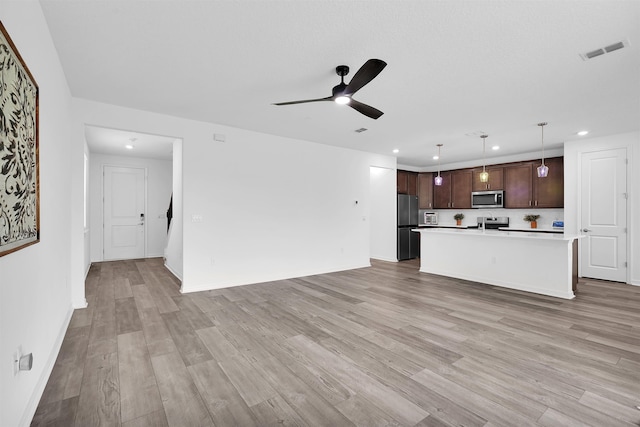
(495, 147)
(129, 147)
(583, 132)
(436, 157)
(395, 150)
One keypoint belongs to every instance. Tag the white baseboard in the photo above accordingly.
(384, 259)
(30, 411)
(168, 267)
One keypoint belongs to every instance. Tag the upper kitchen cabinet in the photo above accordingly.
(455, 191)
(425, 190)
(549, 192)
(496, 181)
(518, 185)
(442, 193)
(461, 184)
(407, 183)
(523, 188)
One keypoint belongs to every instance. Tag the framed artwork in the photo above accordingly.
(19, 162)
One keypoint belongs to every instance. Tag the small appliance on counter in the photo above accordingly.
(430, 218)
(558, 224)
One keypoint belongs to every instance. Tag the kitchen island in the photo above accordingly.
(543, 263)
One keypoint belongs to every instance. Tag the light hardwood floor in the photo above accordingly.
(379, 346)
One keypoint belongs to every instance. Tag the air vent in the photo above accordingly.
(614, 46)
(607, 49)
(476, 133)
(361, 130)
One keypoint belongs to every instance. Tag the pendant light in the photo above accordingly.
(484, 175)
(438, 179)
(543, 170)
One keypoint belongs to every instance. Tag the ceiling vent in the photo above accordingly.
(607, 49)
(361, 130)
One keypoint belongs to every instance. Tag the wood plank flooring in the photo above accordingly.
(379, 346)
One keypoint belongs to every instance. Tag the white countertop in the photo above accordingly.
(534, 230)
(463, 231)
(443, 226)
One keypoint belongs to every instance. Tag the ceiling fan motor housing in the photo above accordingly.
(342, 70)
(339, 89)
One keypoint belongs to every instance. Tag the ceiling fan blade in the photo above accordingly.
(364, 75)
(328, 98)
(365, 109)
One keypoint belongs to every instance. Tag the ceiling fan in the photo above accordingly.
(342, 93)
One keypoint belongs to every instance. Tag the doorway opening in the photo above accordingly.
(132, 177)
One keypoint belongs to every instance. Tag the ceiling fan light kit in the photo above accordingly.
(343, 93)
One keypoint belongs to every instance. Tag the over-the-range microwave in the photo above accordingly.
(487, 199)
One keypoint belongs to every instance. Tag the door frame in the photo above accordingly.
(146, 207)
(573, 188)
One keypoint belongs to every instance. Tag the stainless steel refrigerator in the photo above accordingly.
(408, 241)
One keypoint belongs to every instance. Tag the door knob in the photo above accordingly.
(586, 230)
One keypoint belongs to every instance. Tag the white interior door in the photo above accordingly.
(603, 250)
(124, 213)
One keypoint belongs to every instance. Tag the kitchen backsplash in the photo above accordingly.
(516, 216)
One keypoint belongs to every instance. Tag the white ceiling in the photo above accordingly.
(115, 142)
(454, 68)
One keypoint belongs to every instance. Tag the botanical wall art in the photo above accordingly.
(19, 168)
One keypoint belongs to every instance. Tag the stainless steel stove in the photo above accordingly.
(492, 222)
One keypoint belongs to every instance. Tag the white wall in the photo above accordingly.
(173, 252)
(35, 282)
(271, 207)
(383, 214)
(573, 151)
(159, 187)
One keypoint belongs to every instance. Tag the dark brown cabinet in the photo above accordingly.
(461, 183)
(496, 181)
(549, 192)
(407, 182)
(523, 188)
(442, 193)
(425, 190)
(518, 186)
(455, 191)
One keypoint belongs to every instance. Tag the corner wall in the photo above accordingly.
(36, 282)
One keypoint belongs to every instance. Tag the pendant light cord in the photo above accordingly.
(542, 125)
